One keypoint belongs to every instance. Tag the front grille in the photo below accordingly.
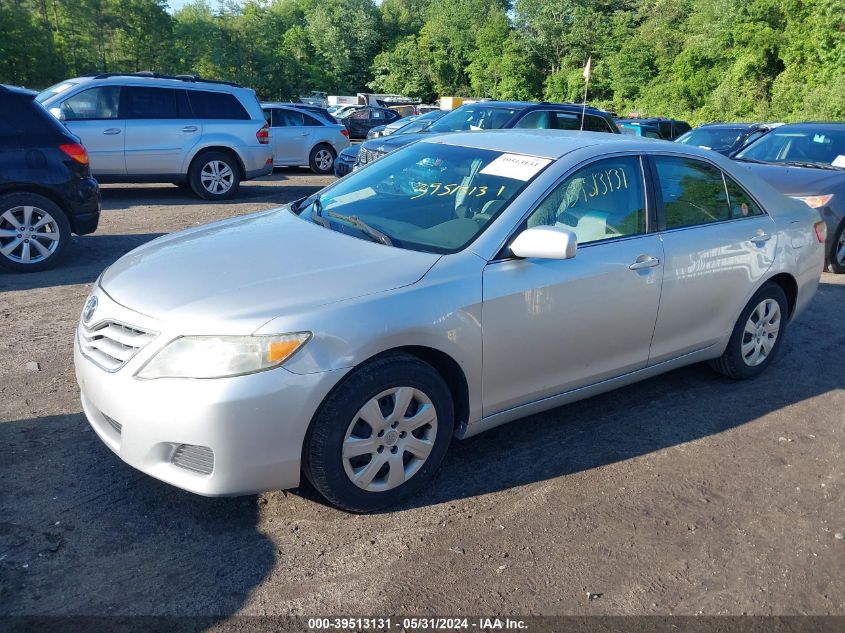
(199, 459)
(368, 155)
(117, 426)
(110, 344)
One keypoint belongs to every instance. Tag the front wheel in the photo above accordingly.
(214, 176)
(837, 252)
(34, 232)
(322, 159)
(757, 335)
(381, 435)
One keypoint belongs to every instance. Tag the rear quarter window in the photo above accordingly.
(216, 105)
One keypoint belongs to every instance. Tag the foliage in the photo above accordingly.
(696, 59)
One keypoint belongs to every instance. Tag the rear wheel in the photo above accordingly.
(214, 176)
(34, 232)
(322, 159)
(837, 252)
(757, 335)
(381, 435)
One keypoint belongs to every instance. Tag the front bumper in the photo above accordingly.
(254, 425)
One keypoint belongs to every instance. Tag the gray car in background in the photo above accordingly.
(299, 137)
(144, 127)
(342, 336)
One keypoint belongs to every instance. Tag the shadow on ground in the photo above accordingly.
(74, 516)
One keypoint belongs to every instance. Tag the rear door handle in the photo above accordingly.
(645, 261)
(190, 128)
(112, 131)
(761, 237)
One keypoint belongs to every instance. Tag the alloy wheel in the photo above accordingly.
(324, 160)
(389, 439)
(217, 177)
(761, 332)
(28, 234)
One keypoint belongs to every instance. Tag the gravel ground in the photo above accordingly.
(684, 494)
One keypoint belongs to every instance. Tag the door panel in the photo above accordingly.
(718, 245)
(160, 129)
(708, 276)
(289, 137)
(104, 140)
(159, 146)
(550, 326)
(93, 116)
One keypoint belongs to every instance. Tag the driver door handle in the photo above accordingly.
(190, 128)
(111, 131)
(645, 261)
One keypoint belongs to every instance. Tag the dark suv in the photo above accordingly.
(46, 188)
(497, 115)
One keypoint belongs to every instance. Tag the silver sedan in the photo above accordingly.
(454, 285)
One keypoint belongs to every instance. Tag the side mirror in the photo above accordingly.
(545, 242)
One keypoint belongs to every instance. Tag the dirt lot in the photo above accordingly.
(684, 494)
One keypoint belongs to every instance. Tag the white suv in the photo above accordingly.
(145, 127)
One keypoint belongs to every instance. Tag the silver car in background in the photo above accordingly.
(454, 285)
(299, 137)
(143, 127)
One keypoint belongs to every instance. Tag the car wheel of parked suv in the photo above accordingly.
(381, 435)
(322, 159)
(215, 176)
(34, 232)
(757, 335)
(837, 252)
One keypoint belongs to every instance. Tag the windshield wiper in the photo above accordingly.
(806, 163)
(362, 226)
(753, 160)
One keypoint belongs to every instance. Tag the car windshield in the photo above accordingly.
(473, 117)
(53, 91)
(711, 137)
(429, 197)
(810, 145)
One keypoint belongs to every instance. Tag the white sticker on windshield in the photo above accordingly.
(839, 161)
(515, 166)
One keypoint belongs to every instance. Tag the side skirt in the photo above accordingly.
(551, 402)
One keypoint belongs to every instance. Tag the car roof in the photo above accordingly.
(554, 143)
(732, 126)
(832, 126)
(525, 105)
(17, 90)
(174, 81)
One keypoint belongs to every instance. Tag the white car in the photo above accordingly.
(301, 137)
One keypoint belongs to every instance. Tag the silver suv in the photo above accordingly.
(146, 127)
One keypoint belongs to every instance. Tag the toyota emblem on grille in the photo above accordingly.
(88, 311)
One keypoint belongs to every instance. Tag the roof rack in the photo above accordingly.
(152, 75)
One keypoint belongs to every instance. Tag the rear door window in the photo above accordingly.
(93, 104)
(310, 120)
(596, 124)
(693, 192)
(287, 118)
(140, 102)
(742, 205)
(216, 105)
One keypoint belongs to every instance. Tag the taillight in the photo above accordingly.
(345, 132)
(76, 151)
(263, 135)
(821, 231)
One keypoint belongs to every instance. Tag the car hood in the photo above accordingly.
(233, 276)
(798, 181)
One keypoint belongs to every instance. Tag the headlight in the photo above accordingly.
(222, 356)
(814, 202)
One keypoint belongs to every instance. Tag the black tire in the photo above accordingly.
(833, 263)
(317, 165)
(322, 458)
(731, 363)
(13, 259)
(204, 162)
